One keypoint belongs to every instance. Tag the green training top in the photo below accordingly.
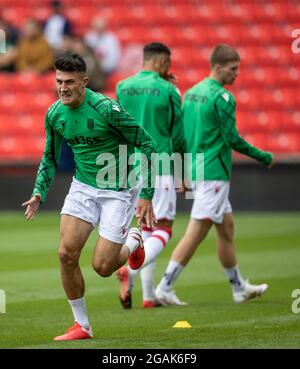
(156, 105)
(210, 128)
(94, 131)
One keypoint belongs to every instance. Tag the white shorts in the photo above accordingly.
(111, 210)
(164, 199)
(211, 201)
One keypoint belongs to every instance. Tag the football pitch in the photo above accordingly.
(268, 248)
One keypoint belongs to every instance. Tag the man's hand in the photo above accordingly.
(183, 188)
(172, 78)
(144, 213)
(32, 206)
(272, 162)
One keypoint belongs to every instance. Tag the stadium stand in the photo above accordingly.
(267, 90)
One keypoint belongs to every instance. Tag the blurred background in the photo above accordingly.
(110, 35)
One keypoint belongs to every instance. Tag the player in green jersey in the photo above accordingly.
(156, 105)
(210, 128)
(94, 126)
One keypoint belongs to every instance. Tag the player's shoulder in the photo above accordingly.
(174, 90)
(225, 96)
(53, 108)
(163, 82)
(195, 89)
(102, 103)
(198, 86)
(126, 81)
(169, 87)
(128, 84)
(98, 99)
(190, 90)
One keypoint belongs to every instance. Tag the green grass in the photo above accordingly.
(268, 250)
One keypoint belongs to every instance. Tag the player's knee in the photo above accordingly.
(68, 256)
(103, 268)
(227, 235)
(227, 238)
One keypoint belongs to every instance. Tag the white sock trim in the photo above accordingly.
(132, 243)
(80, 312)
(235, 278)
(171, 274)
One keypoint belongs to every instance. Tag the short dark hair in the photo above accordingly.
(155, 48)
(70, 63)
(223, 54)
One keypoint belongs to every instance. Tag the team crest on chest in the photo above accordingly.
(90, 123)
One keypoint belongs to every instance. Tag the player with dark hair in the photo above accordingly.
(210, 128)
(94, 126)
(156, 105)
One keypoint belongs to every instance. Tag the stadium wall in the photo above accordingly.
(253, 188)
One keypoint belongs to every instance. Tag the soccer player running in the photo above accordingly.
(156, 105)
(94, 126)
(210, 128)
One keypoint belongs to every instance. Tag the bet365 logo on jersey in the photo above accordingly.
(81, 140)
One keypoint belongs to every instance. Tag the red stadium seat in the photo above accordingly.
(268, 121)
(243, 121)
(135, 34)
(165, 34)
(33, 103)
(114, 79)
(109, 93)
(48, 81)
(284, 143)
(24, 82)
(30, 125)
(184, 13)
(258, 140)
(20, 149)
(194, 57)
(291, 121)
(5, 81)
(16, 15)
(8, 147)
(7, 102)
(242, 12)
(188, 77)
(248, 99)
(7, 125)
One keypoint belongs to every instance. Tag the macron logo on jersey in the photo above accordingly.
(225, 96)
(114, 107)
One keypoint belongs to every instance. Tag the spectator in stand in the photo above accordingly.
(7, 59)
(94, 71)
(57, 26)
(105, 44)
(34, 52)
